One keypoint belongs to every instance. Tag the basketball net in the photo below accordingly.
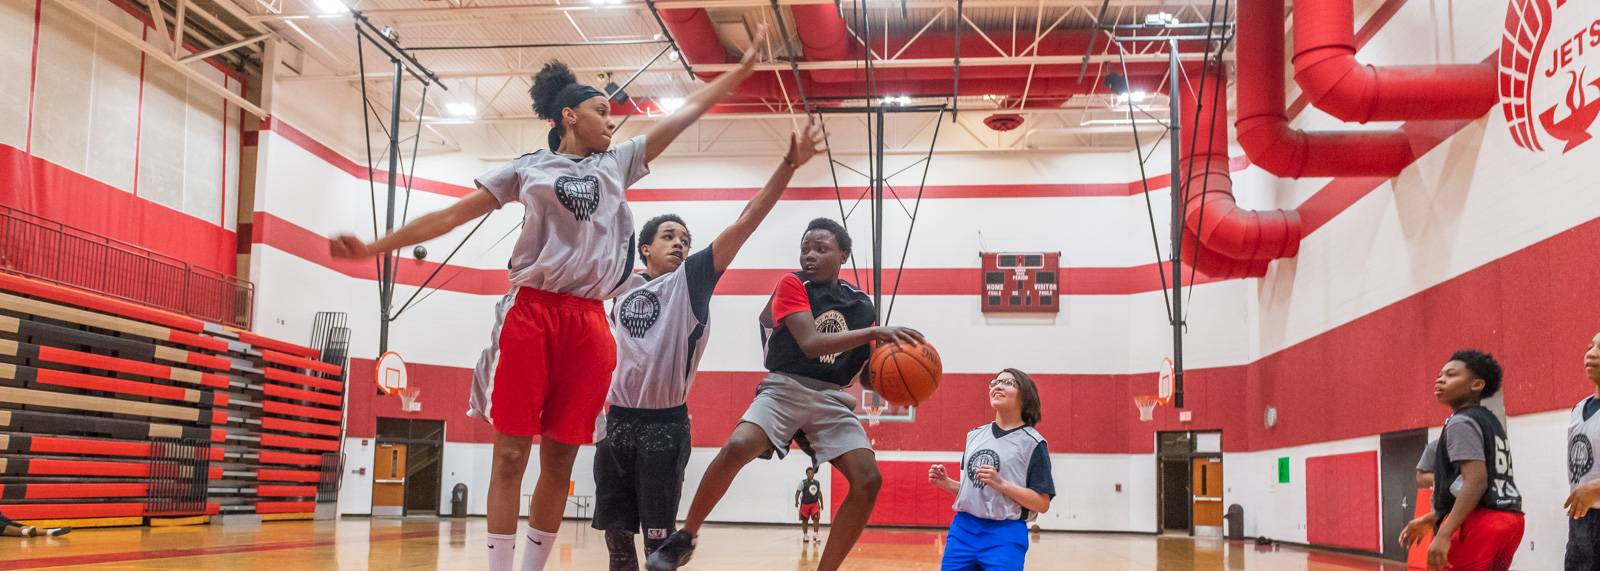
(408, 398)
(874, 415)
(1147, 407)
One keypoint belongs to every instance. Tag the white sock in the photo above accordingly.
(536, 546)
(502, 552)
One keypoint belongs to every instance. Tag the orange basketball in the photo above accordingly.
(905, 374)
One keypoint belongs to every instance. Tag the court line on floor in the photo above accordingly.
(43, 562)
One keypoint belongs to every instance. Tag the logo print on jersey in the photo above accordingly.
(1580, 457)
(579, 195)
(1546, 88)
(831, 322)
(638, 312)
(811, 490)
(985, 457)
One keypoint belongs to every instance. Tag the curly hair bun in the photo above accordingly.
(547, 84)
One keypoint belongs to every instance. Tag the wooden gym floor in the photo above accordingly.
(418, 543)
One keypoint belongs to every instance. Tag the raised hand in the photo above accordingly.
(806, 142)
(937, 475)
(748, 60)
(348, 248)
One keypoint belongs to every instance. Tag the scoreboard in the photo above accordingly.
(1021, 282)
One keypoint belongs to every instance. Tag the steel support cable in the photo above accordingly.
(1144, 179)
(1211, 135)
(894, 295)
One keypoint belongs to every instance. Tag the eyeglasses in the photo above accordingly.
(999, 381)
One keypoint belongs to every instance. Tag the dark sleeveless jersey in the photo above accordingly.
(1502, 494)
(834, 310)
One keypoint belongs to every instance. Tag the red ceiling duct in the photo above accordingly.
(824, 37)
(1264, 130)
(1210, 213)
(1325, 66)
(1209, 262)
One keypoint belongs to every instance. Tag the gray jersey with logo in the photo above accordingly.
(661, 329)
(1023, 459)
(1582, 435)
(577, 230)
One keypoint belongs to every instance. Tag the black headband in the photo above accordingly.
(575, 94)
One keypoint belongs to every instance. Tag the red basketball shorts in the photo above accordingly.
(808, 511)
(1486, 541)
(548, 368)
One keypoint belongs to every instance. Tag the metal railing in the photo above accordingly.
(47, 250)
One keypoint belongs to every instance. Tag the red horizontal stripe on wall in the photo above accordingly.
(299, 242)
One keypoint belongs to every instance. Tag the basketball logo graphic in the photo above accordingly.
(1580, 458)
(985, 457)
(1546, 88)
(831, 322)
(812, 490)
(638, 312)
(579, 195)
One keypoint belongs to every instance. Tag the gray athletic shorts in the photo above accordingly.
(821, 413)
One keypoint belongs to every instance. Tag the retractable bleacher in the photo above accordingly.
(122, 413)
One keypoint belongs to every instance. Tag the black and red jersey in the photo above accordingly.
(833, 309)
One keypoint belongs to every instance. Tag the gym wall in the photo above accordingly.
(1479, 244)
(94, 134)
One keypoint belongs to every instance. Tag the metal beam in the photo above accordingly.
(527, 46)
(177, 27)
(159, 17)
(527, 9)
(683, 59)
(804, 66)
(222, 49)
(117, 31)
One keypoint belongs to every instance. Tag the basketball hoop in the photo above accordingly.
(1147, 407)
(874, 415)
(1164, 382)
(408, 398)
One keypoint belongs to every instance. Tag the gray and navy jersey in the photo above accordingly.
(661, 329)
(1583, 432)
(577, 229)
(1022, 457)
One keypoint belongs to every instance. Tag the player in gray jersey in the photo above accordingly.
(661, 327)
(575, 250)
(1006, 481)
(1583, 476)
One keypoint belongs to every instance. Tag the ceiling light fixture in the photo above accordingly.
(670, 104)
(460, 109)
(332, 6)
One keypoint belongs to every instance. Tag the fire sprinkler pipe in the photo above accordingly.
(1325, 67)
(1263, 127)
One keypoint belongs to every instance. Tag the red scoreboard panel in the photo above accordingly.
(1021, 282)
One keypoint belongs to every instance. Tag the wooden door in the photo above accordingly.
(389, 477)
(1207, 485)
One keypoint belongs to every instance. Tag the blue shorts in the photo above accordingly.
(980, 544)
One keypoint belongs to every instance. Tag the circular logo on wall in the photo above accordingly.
(638, 312)
(831, 322)
(1580, 457)
(984, 457)
(1547, 93)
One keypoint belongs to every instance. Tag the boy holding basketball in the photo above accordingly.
(1475, 498)
(815, 330)
(1006, 481)
(808, 498)
(661, 327)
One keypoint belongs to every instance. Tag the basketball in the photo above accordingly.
(905, 374)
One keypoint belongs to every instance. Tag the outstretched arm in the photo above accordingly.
(803, 145)
(424, 228)
(667, 130)
(816, 344)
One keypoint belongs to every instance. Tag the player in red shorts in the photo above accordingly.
(808, 497)
(551, 355)
(1475, 499)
